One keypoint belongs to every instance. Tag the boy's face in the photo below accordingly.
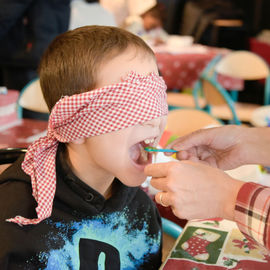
(120, 153)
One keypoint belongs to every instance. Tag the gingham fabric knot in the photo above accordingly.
(134, 100)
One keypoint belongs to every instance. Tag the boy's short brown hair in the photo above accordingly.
(70, 64)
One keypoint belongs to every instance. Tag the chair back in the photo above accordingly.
(183, 121)
(9, 155)
(171, 228)
(213, 92)
(246, 65)
(31, 103)
(243, 65)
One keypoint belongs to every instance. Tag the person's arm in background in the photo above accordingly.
(26, 29)
(10, 12)
(196, 190)
(252, 212)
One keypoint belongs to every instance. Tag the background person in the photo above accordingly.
(26, 29)
(146, 21)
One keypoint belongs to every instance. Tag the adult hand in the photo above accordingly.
(194, 190)
(225, 147)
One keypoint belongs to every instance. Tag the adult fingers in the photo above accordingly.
(182, 155)
(159, 183)
(194, 139)
(163, 198)
(178, 213)
(158, 169)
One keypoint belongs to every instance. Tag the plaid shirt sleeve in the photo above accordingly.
(252, 212)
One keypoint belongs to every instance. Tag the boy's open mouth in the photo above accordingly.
(139, 155)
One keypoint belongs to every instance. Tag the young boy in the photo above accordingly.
(85, 210)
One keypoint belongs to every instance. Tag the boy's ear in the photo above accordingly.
(79, 141)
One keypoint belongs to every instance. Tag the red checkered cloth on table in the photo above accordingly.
(134, 100)
(252, 212)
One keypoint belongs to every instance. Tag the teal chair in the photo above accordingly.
(171, 228)
(214, 94)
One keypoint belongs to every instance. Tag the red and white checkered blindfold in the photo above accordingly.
(135, 100)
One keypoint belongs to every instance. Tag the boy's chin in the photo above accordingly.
(134, 181)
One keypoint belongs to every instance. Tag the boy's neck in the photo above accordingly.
(89, 174)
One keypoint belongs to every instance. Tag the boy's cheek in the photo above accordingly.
(163, 123)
